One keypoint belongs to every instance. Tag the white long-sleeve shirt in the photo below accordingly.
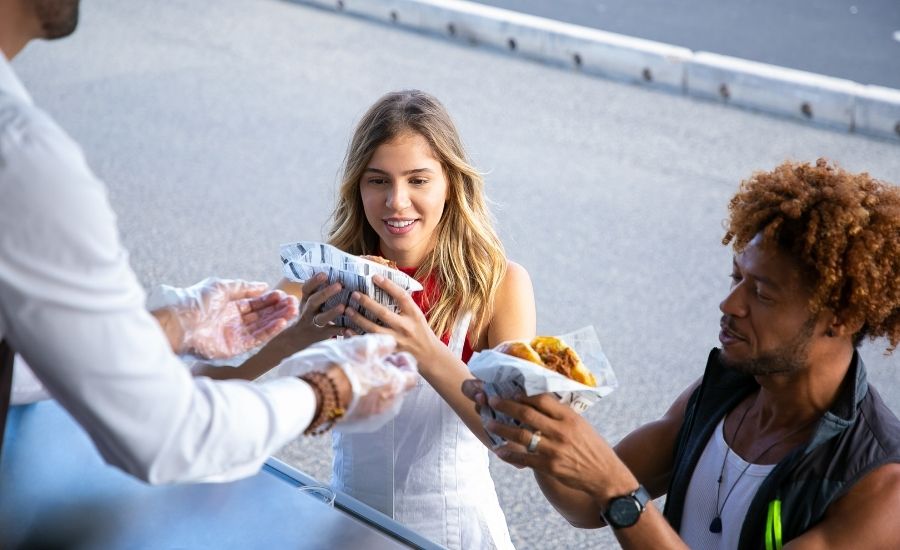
(26, 387)
(72, 307)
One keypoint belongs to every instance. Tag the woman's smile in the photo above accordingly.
(399, 227)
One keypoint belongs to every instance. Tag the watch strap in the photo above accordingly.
(643, 496)
(640, 497)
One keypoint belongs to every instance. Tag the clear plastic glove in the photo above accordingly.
(379, 376)
(222, 321)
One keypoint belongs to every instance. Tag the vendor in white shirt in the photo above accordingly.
(79, 320)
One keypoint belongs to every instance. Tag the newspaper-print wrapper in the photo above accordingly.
(508, 376)
(303, 260)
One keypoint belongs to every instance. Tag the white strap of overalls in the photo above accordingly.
(381, 481)
(456, 344)
(459, 334)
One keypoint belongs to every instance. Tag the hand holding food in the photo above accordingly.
(572, 367)
(305, 260)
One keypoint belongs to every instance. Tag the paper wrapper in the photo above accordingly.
(303, 260)
(509, 376)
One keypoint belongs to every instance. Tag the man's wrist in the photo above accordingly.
(342, 384)
(171, 326)
(329, 401)
(625, 510)
(604, 488)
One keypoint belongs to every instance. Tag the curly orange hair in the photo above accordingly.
(843, 228)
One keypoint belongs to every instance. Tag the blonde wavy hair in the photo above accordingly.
(468, 259)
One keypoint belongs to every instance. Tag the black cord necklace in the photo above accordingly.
(716, 525)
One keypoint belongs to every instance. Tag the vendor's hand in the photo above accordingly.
(342, 385)
(380, 379)
(222, 318)
(570, 450)
(409, 327)
(378, 376)
(314, 324)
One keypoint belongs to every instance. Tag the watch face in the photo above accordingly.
(624, 511)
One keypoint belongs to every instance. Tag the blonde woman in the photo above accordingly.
(410, 195)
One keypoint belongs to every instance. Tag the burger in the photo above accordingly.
(522, 350)
(551, 353)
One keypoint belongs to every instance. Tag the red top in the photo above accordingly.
(430, 286)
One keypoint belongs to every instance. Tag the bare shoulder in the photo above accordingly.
(863, 517)
(514, 314)
(515, 287)
(516, 276)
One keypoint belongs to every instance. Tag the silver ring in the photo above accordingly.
(315, 317)
(535, 440)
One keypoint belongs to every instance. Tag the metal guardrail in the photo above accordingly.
(822, 100)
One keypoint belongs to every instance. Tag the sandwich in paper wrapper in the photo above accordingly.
(303, 260)
(533, 368)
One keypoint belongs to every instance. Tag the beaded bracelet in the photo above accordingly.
(328, 406)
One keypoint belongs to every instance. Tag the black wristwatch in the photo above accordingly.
(625, 511)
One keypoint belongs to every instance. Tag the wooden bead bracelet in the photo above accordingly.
(328, 405)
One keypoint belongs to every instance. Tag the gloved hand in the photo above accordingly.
(378, 376)
(220, 320)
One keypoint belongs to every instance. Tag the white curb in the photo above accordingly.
(814, 98)
(823, 99)
(878, 111)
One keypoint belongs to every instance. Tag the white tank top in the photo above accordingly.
(700, 501)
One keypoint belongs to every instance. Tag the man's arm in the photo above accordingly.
(235, 317)
(648, 453)
(26, 388)
(572, 453)
(72, 307)
(312, 326)
(866, 517)
(220, 319)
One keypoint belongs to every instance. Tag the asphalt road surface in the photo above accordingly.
(220, 128)
(854, 39)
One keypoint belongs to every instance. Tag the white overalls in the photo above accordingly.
(426, 470)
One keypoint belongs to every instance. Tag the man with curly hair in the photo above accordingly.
(782, 441)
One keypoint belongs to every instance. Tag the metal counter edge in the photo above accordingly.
(353, 507)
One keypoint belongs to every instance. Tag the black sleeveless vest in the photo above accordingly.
(858, 434)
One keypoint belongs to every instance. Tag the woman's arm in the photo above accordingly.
(513, 318)
(307, 331)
